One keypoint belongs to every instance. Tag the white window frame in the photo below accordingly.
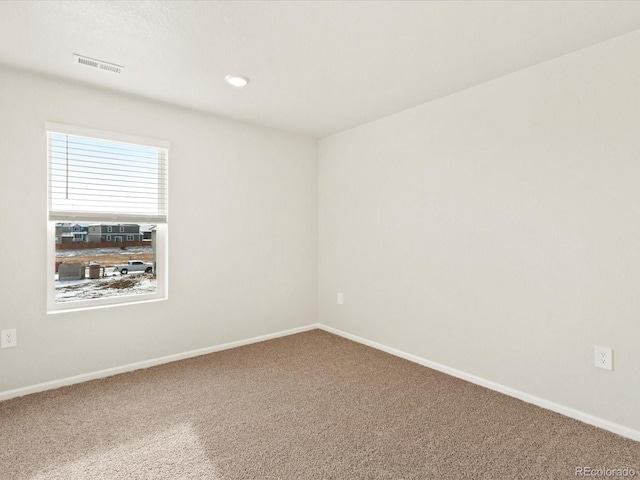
(121, 229)
(161, 244)
(131, 238)
(109, 228)
(108, 238)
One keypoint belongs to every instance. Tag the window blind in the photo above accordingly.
(93, 178)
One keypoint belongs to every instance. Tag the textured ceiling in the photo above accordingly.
(316, 67)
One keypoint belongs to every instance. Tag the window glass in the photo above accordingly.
(101, 183)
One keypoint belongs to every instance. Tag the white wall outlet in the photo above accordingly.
(8, 338)
(340, 298)
(603, 357)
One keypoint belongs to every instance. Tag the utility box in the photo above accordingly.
(71, 271)
(94, 270)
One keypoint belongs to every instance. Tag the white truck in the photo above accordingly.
(134, 266)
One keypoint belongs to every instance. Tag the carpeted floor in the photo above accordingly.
(307, 406)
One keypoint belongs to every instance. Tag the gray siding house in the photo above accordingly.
(70, 233)
(145, 231)
(114, 232)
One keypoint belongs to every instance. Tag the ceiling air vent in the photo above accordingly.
(92, 62)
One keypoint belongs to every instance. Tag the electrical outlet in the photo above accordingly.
(603, 357)
(8, 338)
(340, 298)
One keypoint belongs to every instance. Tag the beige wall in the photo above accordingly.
(497, 231)
(242, 237)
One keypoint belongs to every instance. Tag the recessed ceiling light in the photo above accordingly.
(236, 80)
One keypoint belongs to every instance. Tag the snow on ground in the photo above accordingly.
(96, 252)
(110, 286)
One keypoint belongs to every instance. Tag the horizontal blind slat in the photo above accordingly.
(84, 147)
(61, 155)
(96, 163)
(98, 217)
(117, 178)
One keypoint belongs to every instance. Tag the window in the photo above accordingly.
(97, 181)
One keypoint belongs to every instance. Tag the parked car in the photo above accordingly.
(134, 266)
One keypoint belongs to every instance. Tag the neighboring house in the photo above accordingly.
(70, 233)
(145, 231)
(114, 232)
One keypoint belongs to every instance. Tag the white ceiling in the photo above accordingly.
(316, 67)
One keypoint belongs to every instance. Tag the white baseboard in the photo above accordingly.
(526, 397)
(512, 392)
(63, 382)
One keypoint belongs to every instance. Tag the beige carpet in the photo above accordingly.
(308, 406)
